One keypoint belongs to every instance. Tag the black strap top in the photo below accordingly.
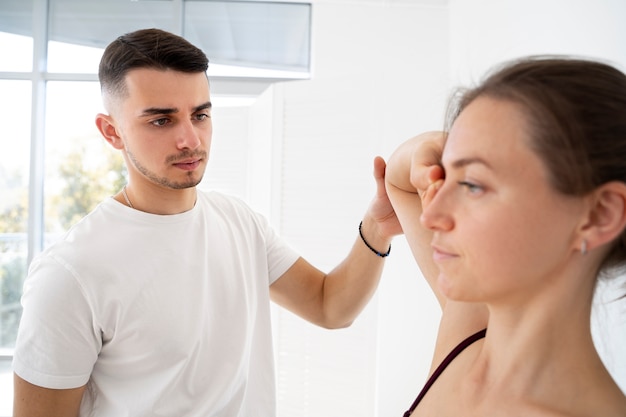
(444, 364)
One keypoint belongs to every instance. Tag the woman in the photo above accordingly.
(523, 206)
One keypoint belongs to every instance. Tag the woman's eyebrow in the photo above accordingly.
(463, 162)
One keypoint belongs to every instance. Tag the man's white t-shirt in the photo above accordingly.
(158, 315)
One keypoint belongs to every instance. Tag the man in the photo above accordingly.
(157, 302)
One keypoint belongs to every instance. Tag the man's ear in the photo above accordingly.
(106, 126)
(607, 216)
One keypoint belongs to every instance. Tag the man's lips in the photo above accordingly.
(188, 165)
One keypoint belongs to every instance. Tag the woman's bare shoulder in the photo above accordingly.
(598, 408)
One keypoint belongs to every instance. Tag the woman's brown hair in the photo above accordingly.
(576, 112)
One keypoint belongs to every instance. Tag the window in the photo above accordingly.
(81, 169)
(14, 175)
(14, 155)
(22, 49)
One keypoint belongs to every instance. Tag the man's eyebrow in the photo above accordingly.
(158, 110)
(151, 111)
(204, 106)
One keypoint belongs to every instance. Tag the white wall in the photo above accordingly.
(379, 77)
(382, 72)
(485, 32)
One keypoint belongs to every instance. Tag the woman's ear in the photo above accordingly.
(607, 216)
(106, 126)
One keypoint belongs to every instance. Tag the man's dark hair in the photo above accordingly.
(147, 48)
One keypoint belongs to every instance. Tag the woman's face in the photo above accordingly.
(501, 232)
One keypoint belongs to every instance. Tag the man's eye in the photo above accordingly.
(160, 122)
(202, 116)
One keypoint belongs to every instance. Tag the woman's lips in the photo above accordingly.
(440, 254)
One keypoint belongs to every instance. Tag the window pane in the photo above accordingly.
(253, 34)
(14, 161)
(16, 21)
(20, 49)
(58, 53)
(89, 25)
(81, 168)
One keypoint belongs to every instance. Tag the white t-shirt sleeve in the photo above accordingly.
(280, 255)
(58, 341)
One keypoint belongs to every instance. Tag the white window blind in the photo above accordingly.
(319, 372)
(324, 195)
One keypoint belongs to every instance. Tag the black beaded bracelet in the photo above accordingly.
(382, 255)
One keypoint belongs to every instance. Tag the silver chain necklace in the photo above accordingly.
(126, 198)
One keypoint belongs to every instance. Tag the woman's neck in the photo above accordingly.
(542, 355)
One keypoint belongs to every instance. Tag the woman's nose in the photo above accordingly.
(435, 215)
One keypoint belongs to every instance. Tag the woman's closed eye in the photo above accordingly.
(471, 187)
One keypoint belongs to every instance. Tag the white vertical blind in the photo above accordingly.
(227, 170)
(324, 196)
(318, 371)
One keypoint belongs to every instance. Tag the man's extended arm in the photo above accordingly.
(33, 401)
(335, 299)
